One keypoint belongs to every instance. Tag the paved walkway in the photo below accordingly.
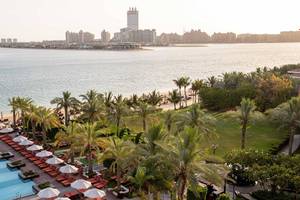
(296, 145)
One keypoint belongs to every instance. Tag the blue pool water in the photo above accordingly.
(11, 186)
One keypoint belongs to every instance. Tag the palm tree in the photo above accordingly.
(108, 99)
(195, 118)
(154, 98)
(154, 134)
(293, 118)
(23, 104)
(47, 119)
(212, 81)
(66, 102)
(169, 120)
(144, 109)
(69, 135)
(92, 106)
(185, 83)
(13, 104)
(196, 86)
(120, 151)
(246, 109)
(186, 155)
(174, 97)
(90, 141)
(117, 110)
(33, 118)
(179, 83)
(139, 179)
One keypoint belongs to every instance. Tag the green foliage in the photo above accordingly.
(216, 99)
(268, 195)
(197, 193)
(223, 197)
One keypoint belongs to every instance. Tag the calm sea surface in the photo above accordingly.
(44, 74)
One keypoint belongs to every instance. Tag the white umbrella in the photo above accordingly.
(26, 143)
(2, 125)
(44, 153)
(6, 130)
(62, 198)
(68, 169)
(48, 193)
(81, 184)
(35, 147)
(19, 138)
(54, 161)
(94, 193)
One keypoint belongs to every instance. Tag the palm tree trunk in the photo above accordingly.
(72, 156)
(243, 136)
(144, 124)
(182, 188)
(33, 131)
(118, 125)
(118, 177)
(44, 134)
(291, 141)
(180, 104)
(66, 116)
(14, 118)
(185, 97)
(174, 106)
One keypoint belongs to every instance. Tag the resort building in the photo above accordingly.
(3, 40)
(79, 38)
(105, 36)
(132, 33)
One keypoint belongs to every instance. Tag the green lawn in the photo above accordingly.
(261, 136)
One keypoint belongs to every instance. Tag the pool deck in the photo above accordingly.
(43, 176)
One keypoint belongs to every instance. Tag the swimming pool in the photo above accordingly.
(11, 185)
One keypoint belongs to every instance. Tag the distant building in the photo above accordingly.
(105, 36)
(133, 19)
(290, 36)
(15, 40)
(79, 38)
(132, 33)
(223, 37)
(3, 40)
(8, 40)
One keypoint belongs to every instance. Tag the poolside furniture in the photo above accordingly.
(7, 130)
(44, 154)
(35, 147)
(54, 161)
(81, 184)
(19, 138)
(94, 193)
(48, 193)
(72, 194)
(6, 155)
(68, 169)
(16, 164)
(68, 182)
(62, 198)
(28, 175)
(26, 143)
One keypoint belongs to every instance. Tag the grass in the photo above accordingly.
(261, 135)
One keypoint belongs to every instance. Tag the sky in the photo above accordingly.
(37, 20)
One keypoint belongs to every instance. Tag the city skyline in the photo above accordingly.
(50, 19)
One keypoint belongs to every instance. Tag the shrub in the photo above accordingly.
(197, 193)
(267, 195)
(223, 197)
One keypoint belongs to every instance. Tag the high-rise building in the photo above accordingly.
(133, 19)
(9, 40)
(15, 40)
(79, 38)
(105, 36)
(3, 40)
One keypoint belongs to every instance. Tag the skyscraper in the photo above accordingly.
(133, 19)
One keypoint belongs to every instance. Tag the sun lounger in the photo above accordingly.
(61, 178)
(71, 194)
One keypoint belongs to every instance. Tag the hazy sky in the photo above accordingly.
(49, 19)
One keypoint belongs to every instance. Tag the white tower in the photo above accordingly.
(133, 19)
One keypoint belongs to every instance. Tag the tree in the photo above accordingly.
(179, 82)
(90, 141)
(212, 81)
(117, 110)
(108, 99)
(169, 120)
(185, 153)
(120, 151)
(144, 109)
(47, 119)
(196, 86)
(69, 135)
(33, 118)
(195, 118)
(185, 83)
(139, 179)
(66, 102)
(23, 104)
(246, 109)
(92, 106)
(154, 98)
(13, 104)
(174, 97)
